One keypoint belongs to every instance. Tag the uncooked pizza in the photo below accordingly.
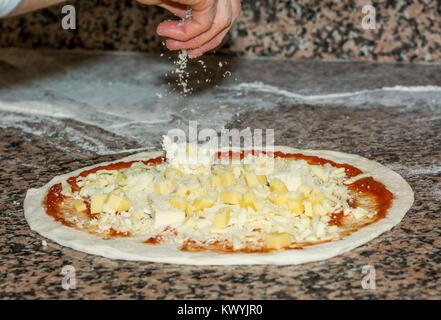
(193, 204)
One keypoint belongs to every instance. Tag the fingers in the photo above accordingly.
(222, 21)
(150, 2)
(177, 9)
(217, 40)
(204, 30)
(235, 9)
(210, 45)
(195, 4)
(200, 22)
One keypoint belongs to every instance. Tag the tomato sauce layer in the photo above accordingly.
(55, 198)
(381, 196)
(367, 186)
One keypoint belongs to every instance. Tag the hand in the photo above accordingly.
(209, 23)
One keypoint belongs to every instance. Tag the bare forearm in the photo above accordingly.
(31, 5)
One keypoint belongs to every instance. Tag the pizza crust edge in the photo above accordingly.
(134, 249)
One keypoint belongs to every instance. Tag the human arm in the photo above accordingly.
(23, 6)
(210, 21)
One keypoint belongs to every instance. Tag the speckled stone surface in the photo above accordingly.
(403, 135)
(404, 31)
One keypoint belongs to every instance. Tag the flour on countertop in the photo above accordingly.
(128, 109)
(183, 75)
(153, 117)
(386, 96)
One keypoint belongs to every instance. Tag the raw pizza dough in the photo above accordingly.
(134, 249)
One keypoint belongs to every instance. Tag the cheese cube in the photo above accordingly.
(216, 182)
(79, 205)
(113, 202)
(227, 179)
(258, 205)
(171, 173)
(296, 205)
(138, 214)
(305, 189)
(191, 188)
(124, 205)
(251, 180)
(277, 240)
(167, 216)
(161, 187)
(319, 209)
(316, 198)
(191, 150)
(221, 219)
(199, 171)
(319, 172)
(273, 197)
(308, 208)
(261, 178)
(120, 177)
(248, 168)
(201, 204)
(248, 199)
(240, 188)
(327, 205)
(190, 223)
(178, 203)
(230, 197)
(97, 202)
(194, 189)
(189, 210)
(182, 192)
(172, 182)
(277, 185)
(217, 171)
(278, 198)
(234, 167)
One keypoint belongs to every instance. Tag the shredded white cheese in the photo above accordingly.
(254, 203)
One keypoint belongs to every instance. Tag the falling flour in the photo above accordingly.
(182, 61)
(181, 65)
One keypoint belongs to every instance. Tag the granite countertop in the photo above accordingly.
(405, 31)
(63, 110)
